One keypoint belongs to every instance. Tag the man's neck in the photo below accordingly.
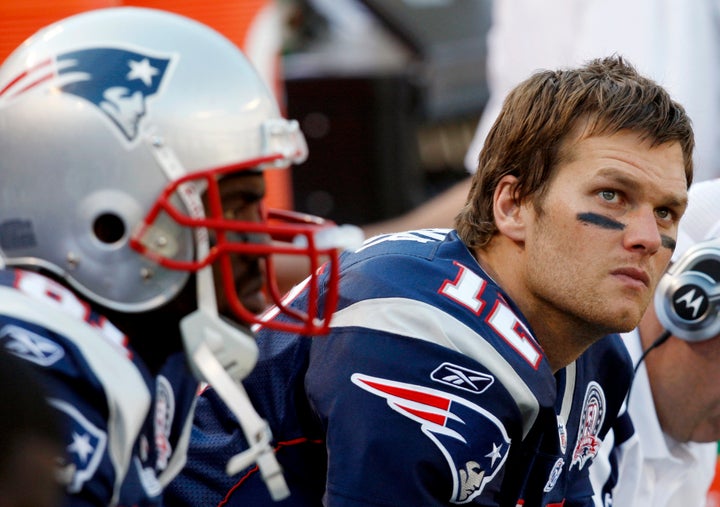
(562, 338)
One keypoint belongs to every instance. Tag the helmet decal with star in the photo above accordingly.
(118, 81)
(85, 448)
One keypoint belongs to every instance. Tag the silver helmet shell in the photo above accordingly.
(85, 104)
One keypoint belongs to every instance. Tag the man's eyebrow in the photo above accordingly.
(621, 177)
(677, 202)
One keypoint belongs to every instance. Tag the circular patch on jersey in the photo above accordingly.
(591, 420)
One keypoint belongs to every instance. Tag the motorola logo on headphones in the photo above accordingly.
(687, 299)
(690, 302)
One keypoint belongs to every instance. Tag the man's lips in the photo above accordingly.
(637, 275)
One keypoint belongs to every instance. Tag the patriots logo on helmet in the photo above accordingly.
(446, 419)
(117, 81)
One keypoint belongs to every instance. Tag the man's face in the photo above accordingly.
(241, 196)
(605, 232)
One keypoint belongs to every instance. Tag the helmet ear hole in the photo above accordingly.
(109, 228)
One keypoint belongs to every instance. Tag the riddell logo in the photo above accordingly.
(690, 302)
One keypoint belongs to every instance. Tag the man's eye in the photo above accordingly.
(664, 213)
(236, 212)
(608, 195)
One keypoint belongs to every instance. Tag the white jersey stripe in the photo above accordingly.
(128, 396)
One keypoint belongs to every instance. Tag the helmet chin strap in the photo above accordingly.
(222, 356)
(220, 353)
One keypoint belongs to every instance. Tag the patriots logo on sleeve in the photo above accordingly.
(447, 420)
(117, 81)
(85, 448)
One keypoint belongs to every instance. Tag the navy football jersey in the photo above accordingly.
(126, 430)
(429, 390)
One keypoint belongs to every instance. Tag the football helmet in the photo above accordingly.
(115, 127)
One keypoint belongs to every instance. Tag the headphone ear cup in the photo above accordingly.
(685, 299)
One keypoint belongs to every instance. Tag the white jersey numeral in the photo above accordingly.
(507, 325)
(465, 289)
(42, 289)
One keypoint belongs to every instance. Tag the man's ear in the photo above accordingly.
(509, 214)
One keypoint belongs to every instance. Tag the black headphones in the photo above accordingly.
(687, 299)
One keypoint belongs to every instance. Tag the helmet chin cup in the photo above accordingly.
(688, 295)
(232, 347)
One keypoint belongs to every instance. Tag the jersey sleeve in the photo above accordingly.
(101, 398)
